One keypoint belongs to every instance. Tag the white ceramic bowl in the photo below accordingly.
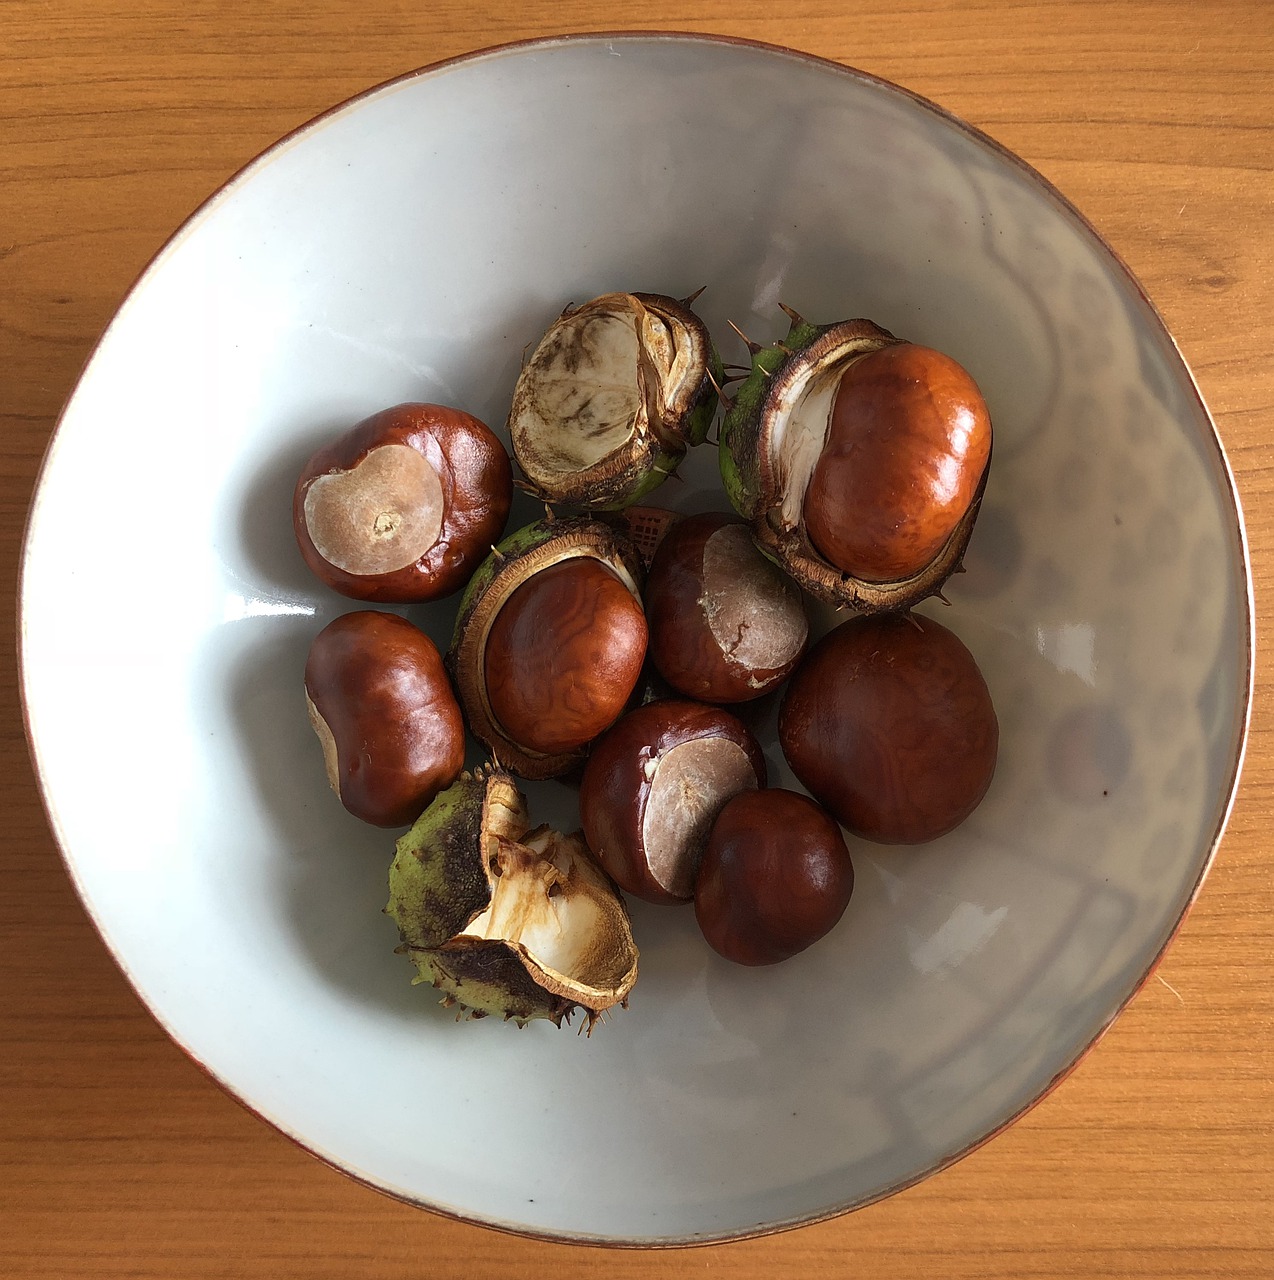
(409, 245)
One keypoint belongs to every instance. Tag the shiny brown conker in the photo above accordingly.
(906, 446)
(889, 723)
(726, 625)
(382, 707)
(563, 655)
(653, 785)
(404, 505)
(775, 877)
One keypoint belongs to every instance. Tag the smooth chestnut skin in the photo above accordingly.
(475, 484)
(776, 876)
(889, 724)
(616, 792)
(563, 656)
(396, 733)
(909, 439)
(725, 624)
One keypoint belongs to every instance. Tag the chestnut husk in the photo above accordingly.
(470, 847)
(513, 562)
(674, 381)
(753, 478)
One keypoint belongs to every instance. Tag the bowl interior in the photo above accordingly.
(409, 246)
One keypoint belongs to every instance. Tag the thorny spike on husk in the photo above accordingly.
(753, 347)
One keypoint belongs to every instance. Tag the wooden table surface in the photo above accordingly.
(118, 1157)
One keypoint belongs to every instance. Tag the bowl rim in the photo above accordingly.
(984, 140)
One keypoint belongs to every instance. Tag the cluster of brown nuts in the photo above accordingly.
(855, 464)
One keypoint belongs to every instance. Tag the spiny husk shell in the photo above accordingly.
(522, 554)
(674, 401)
(444, 880)
(752, 472)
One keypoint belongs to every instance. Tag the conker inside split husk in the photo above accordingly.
(403, 506)
(654, 784)
(382, 707)
(549, 643)
(889, 724)
(775, 877)
(726, 625)
(859, 460)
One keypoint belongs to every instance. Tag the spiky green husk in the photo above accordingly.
(437, 883)
(485, 979)
(442, 880)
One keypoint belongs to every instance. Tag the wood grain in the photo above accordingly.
(118, 1158)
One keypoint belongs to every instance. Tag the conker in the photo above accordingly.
(653, 785)
(382, 707)
(775, 877)
(906, 447)
(563, 655)
(404, 505)
(889, 723)
(726, 625)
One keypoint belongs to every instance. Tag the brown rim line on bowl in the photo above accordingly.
(1227, 786)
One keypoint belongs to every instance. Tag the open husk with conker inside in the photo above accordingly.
(549, 643)
(614, 395)
(859, 460)
(504, 919)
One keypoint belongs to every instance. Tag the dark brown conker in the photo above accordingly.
(889, 723)
(654, 784)
(382, 707)
(726, 625)
(775, 877)
(404, 505)
(563, 655)
(907, 444)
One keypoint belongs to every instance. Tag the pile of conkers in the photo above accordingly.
(855, 463)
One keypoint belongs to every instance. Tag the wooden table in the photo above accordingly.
(118, 1158)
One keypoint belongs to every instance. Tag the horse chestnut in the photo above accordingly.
(775, 877)
(652, 787)
(382, 707)
(725, 624)
(906, 446)
(859, 460)
(549, 643)
(889, 723)
(404, 505)
(563, 655)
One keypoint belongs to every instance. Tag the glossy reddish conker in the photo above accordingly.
(382, 707)
(906, 447)
(775, 877)
(889, 724)
(403, 506)
(563, 655)
(653, 785)
(726, 624)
